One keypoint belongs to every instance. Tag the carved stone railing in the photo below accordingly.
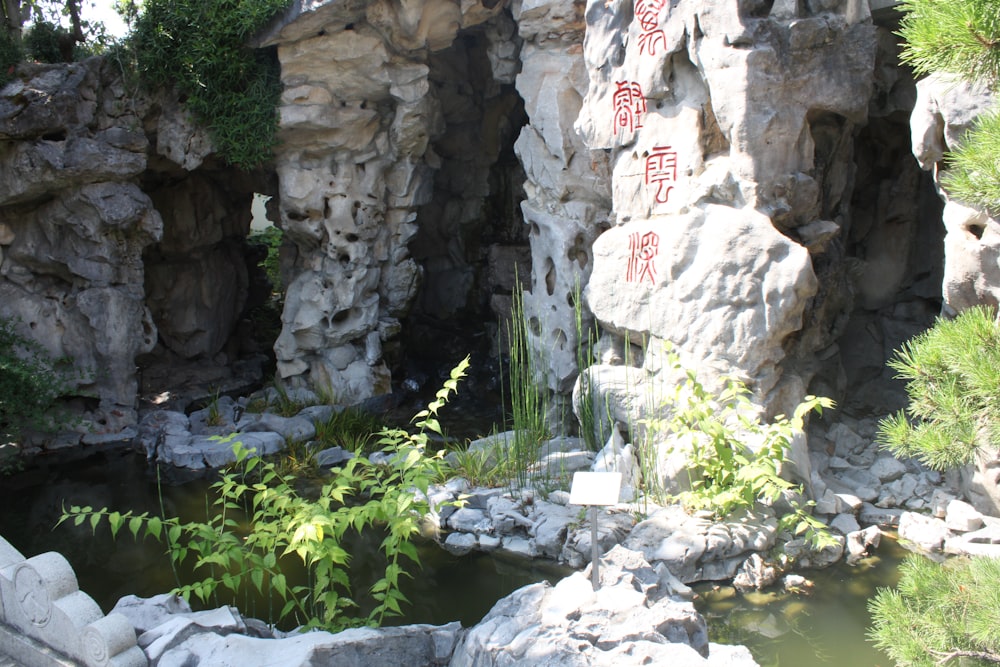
(46, 620)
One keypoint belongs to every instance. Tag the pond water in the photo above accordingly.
(825, 628)
(447, 589)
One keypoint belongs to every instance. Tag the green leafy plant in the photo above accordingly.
(284, 528)
(271, 238)
(30, 383)
(199, 46)
(725, 473)
(10, 56)
(940, 614)
(952, 374)
(42, 41)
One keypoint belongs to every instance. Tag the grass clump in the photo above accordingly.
(529, 397)
(352, 429)
(276, 399)
(479, 467)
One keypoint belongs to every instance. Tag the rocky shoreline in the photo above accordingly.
(635, 617)
(860, 492)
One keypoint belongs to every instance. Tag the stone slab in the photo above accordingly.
(18, 650)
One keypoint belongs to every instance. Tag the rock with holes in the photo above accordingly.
(945, 109)
(389, 125)
(568, 184)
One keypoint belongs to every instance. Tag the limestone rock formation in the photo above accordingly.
(719, 178)
(945, 110)
(680, 172)
(387, 126)
(568, 185)
(113, 247)
(74, 226)
(631, 619)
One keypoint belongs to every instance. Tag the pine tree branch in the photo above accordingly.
(988, 43)
(947, 656)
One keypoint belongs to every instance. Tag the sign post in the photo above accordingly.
(595, 489)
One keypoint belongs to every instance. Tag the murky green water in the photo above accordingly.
(447, 589)
(826, 627)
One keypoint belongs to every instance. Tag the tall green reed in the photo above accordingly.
(529, 395)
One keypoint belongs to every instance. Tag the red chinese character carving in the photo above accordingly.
(643, 249)
(629, 106)
(647, 12)
(661, 168)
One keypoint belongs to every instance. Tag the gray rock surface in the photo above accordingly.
(630, 620)
(74, 228)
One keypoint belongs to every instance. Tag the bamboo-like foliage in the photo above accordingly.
(529, 396)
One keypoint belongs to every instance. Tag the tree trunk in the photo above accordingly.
(68, 42)
(12, 19)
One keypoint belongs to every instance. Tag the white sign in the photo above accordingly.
(595, 488)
